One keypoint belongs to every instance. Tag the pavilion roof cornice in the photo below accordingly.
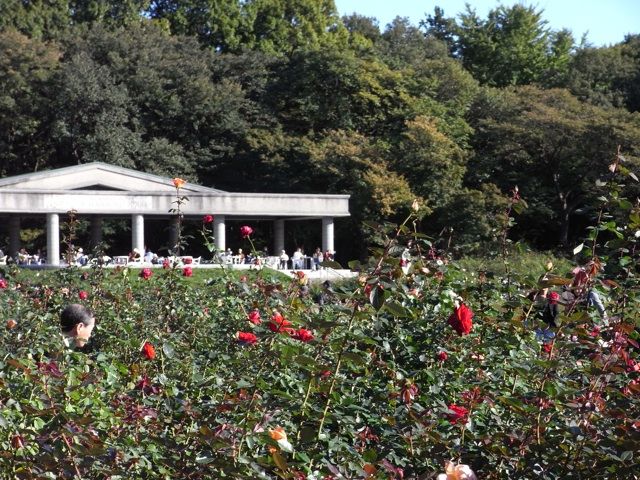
(159, 203)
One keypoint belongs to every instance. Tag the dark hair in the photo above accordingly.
(74, 314)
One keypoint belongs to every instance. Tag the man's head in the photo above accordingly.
(77, 321)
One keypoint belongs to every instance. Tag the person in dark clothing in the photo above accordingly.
(551, 310)
(325, 294)
(77, 323)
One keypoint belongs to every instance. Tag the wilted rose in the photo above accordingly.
(408, 393)
(279, 435)
(147, 387)
(303, 335)
(178, 182)
(254, 317)
(457, 472)
(17, 441)
(49, 368)
(11, 324)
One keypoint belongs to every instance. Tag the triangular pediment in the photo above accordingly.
(97, 176)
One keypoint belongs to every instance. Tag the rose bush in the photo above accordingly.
(185, 381)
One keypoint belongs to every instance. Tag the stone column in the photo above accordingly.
(278, 237)
(327, 234)
(53, 239)
(219, 232)
(14, 236)
(96, 232)
(173, 234)
(137, 232)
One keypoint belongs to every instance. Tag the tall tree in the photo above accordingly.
(442, 28)
(553, 147)
(607, 76)
(115, 13)
(26, 68)
(404, 44)
(220, 24)
(323, 90)
(513, 46)
(42, 19)
(285, 26)
(431, 162)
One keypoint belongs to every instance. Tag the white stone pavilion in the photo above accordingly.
(98, 190)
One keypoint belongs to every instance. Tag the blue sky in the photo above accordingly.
(604, 21)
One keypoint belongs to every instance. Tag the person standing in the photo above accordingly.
(297, 259)
(284, 260)
(318, 258)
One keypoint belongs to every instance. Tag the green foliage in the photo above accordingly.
(553, 147)
(248, 95)
(511, 47)
(370, 391)
(607, 76)
(26, 68)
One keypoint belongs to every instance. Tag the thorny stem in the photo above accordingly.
(254, 395)
(73, 460)
(335, 373)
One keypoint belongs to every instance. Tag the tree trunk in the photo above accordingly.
(564, 226)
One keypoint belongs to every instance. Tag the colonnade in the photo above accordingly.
(138, 238)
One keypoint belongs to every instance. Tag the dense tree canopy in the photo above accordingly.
(274, 95)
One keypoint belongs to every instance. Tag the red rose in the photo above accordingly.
(246, 338)
(188, 261)
(245, 231)
(166, 264)
(187, 272)
(3, 284)
(457, 415)
(303, 335)
(146, 273)
(254, 317)
(547, 347)
(148, 351)
(442, 355)
(460, 320)
(278, 323)
(83, 295)
(207, 219)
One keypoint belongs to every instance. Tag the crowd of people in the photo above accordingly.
(297, 261)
